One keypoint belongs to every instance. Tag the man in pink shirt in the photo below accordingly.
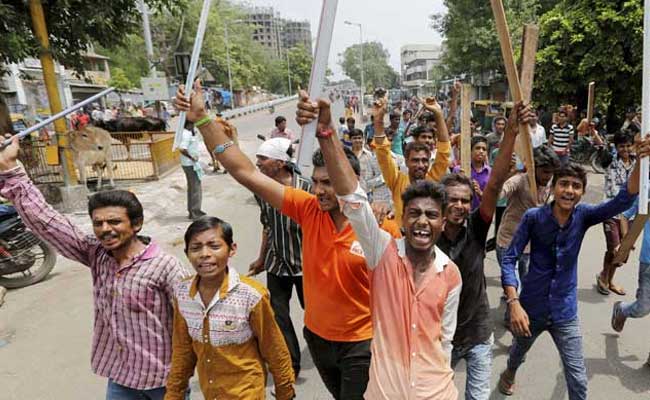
(415, 287)
(281, 129)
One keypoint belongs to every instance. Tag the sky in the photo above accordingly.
(385, 21)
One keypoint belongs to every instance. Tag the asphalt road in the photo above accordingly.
(45, 329)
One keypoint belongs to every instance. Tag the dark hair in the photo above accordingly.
(499, 118)
(279, 119)
(318, 161)
(355, 132)
(455, 179)
(418, 130)
(394, 115)
(189, 125)
(342, 120)
(350, 119)
(416, 147)
(428, 116)
(118, 198)
(571, 170)
(544, 156)
(407, 111)
(623, 138)
(478, 139)
(206, 223)
(425, 188)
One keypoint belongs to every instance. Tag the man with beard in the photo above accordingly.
(548, 299)
(463, 240)
(415, 285)
(281, 246)
(417, 158)
(133, 280)
(338, 326)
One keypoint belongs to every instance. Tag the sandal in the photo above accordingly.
(506, 385)
(601, 286)
(617, 289)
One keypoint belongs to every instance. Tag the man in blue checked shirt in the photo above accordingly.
(548, 299)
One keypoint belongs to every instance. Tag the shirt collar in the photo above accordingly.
(439, 262)
(229, 283)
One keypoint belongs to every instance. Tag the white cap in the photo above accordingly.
(276, 149)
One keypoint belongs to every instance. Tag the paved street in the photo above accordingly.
(45, 329)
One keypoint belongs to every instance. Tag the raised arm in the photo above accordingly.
(642, 151)
(453, 105)
(388, 166)
(501, 167)
(36, 213)
(233, 159)
(441, 162)
(343, 178)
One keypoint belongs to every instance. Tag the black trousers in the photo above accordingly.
(343, 366)
(281, 289)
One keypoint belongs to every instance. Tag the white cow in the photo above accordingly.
(92, 146)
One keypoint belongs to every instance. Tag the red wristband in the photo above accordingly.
(325, 133)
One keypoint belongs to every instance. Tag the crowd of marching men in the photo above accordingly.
(384, 243)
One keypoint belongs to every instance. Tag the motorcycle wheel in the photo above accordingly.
(595, 163)
(36, 273)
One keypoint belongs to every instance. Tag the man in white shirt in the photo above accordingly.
(189, 149)
(537, 132)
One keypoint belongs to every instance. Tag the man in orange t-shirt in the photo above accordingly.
(336, 284)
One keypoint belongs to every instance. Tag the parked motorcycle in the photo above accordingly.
(583, 151)
(24, 258)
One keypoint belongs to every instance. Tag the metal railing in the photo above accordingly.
(135, 156)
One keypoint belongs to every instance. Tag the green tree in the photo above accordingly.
(592, 40)
(377, 72)
(119, 79)
(471, 41)
(128, 57)
(72, 25)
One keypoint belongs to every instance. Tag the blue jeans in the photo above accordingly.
(568, 340)
(115, 391)
(641, 307)
(479, 366)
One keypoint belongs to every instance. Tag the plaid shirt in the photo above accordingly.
(616, 176)
(133, 303)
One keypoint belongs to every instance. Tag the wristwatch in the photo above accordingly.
(220, 148)
(325, 133)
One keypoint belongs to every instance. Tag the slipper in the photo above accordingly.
(506, 386)
(617, 289)
(601, 286)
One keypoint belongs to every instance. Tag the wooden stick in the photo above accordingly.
(628, 240)
(590, 101)
(523, 147)
(465, 131)
(513, 81)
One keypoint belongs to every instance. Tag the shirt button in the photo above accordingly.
(412, 384)
(413, 326)
(210, 381)
(208, 360)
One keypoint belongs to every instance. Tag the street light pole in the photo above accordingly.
(232, 95)
(363, 84)
(144, 9)
(289, 72)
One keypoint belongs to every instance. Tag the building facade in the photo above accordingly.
(277, 34)
(416, 61)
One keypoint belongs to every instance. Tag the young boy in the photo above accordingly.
(549, 291)
(480, 169)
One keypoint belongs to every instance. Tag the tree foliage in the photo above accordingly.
(471, 41)
(377, 71)
(595, 40)
(119, 80)
(72, 25)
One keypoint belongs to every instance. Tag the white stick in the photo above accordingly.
(645, 109)
(317, 80)
(61, 114)
(194, 63)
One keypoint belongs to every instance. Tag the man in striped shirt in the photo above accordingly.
(561, 137)
(133, 281)
(281, 246)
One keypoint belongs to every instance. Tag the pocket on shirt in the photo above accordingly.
(143, 299)
(226, 331)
